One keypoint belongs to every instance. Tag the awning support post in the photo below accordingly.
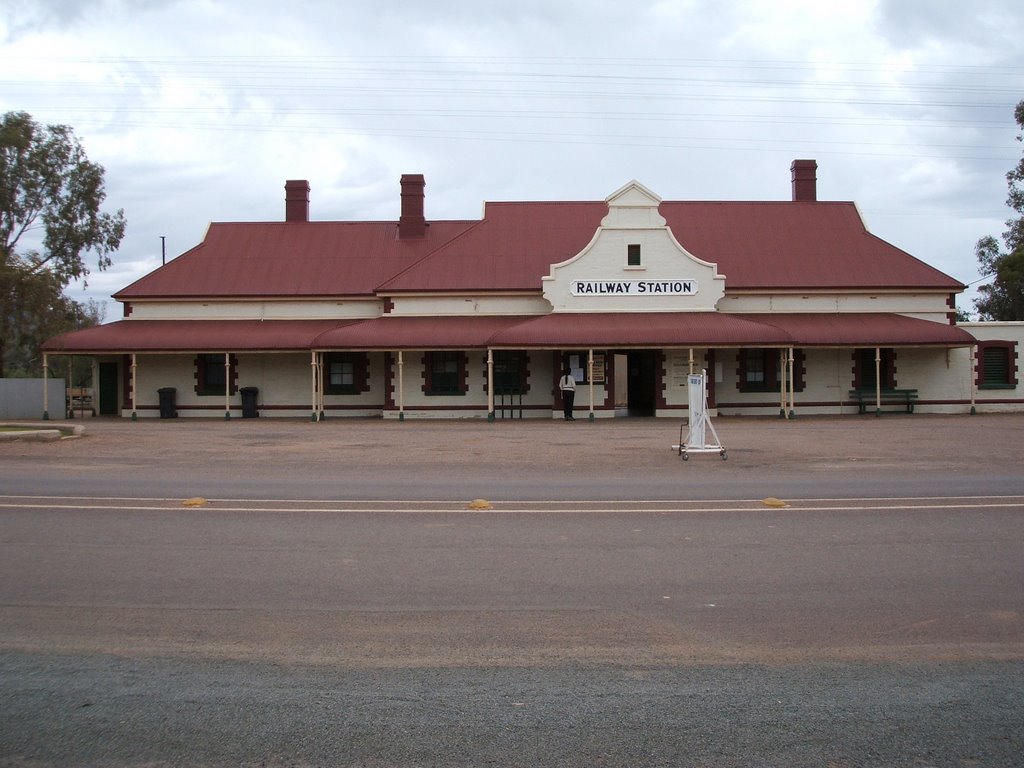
(781, 388)
(135, 388)
(490, 384)
(792, 387)
(878, 381)
(691, 361)
(46, 392)
(95, 384)
(227, 386)
(974, 377)
(401, 387)
(312, 386)
(320, 389)
(590, 378)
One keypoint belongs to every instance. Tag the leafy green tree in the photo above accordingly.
(962, 315)
(50, 221)
(1003, 298)
(38, 310)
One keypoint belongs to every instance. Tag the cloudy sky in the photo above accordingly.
(201, 109)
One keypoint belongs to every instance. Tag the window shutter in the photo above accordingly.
(996, 366)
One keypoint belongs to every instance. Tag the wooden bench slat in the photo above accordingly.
(865, 397)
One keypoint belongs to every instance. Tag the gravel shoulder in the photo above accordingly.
(622, 458)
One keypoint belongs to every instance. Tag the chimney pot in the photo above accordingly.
(412, 223)
(296, 200)
(805, 180)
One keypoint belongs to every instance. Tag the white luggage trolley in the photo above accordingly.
(700, 423)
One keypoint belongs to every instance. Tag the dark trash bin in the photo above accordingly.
(168, 402)
(249, 402)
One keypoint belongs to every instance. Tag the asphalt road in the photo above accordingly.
(833, 631)
(325, 625)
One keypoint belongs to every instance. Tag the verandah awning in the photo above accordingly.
(428, 333)
(717, 329)
(863, 329)
(553, 331)
(639, 329)
(126, 336)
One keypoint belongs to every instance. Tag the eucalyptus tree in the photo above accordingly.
(52, 230)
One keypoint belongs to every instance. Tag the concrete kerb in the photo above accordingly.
(19, 430)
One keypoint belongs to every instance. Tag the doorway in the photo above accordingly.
(637, 371)
(108, 389)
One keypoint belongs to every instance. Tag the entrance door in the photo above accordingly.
(108, 389)
(864, 372)
(641, 381)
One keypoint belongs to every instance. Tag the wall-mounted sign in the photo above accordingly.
(578, 367)
(633, 287)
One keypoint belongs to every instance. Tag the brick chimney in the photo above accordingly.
(412, 224)
(805, 181)
(296, 200)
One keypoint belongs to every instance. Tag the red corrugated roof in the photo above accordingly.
(194, 336)
(756, 245)
(293, 259)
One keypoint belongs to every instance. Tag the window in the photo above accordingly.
(997, 365)
(758, 370)
(633, 255)
(509, 372)
(345, 373)
(864, 368)
(755, 368)
(210, 374)
(445, 373)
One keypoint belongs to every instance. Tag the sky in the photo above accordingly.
(200, 110)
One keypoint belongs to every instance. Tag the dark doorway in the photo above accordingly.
(108, 389)
(864, 368)
(641, 381)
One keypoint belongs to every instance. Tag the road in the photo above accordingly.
(844, 632)
(335, 601)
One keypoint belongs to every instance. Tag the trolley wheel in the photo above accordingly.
(686, 456)
(723, 454)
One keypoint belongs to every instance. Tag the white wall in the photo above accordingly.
(256, 310)
(537, 402)
(928, 306)
(943, 377)
(1001, 400)
(440, 306)
(282, 379)
(633, 219)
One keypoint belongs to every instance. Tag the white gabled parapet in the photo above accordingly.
(601, 277)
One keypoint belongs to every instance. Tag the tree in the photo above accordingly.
(38, 310)
(1003, 298)
(50, 220)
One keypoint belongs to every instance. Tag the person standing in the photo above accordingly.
(568, 386)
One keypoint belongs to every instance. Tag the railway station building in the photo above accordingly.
(790, 306)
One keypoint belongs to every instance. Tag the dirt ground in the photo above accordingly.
(988, 443)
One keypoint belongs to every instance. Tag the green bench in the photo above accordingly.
(867, 398)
